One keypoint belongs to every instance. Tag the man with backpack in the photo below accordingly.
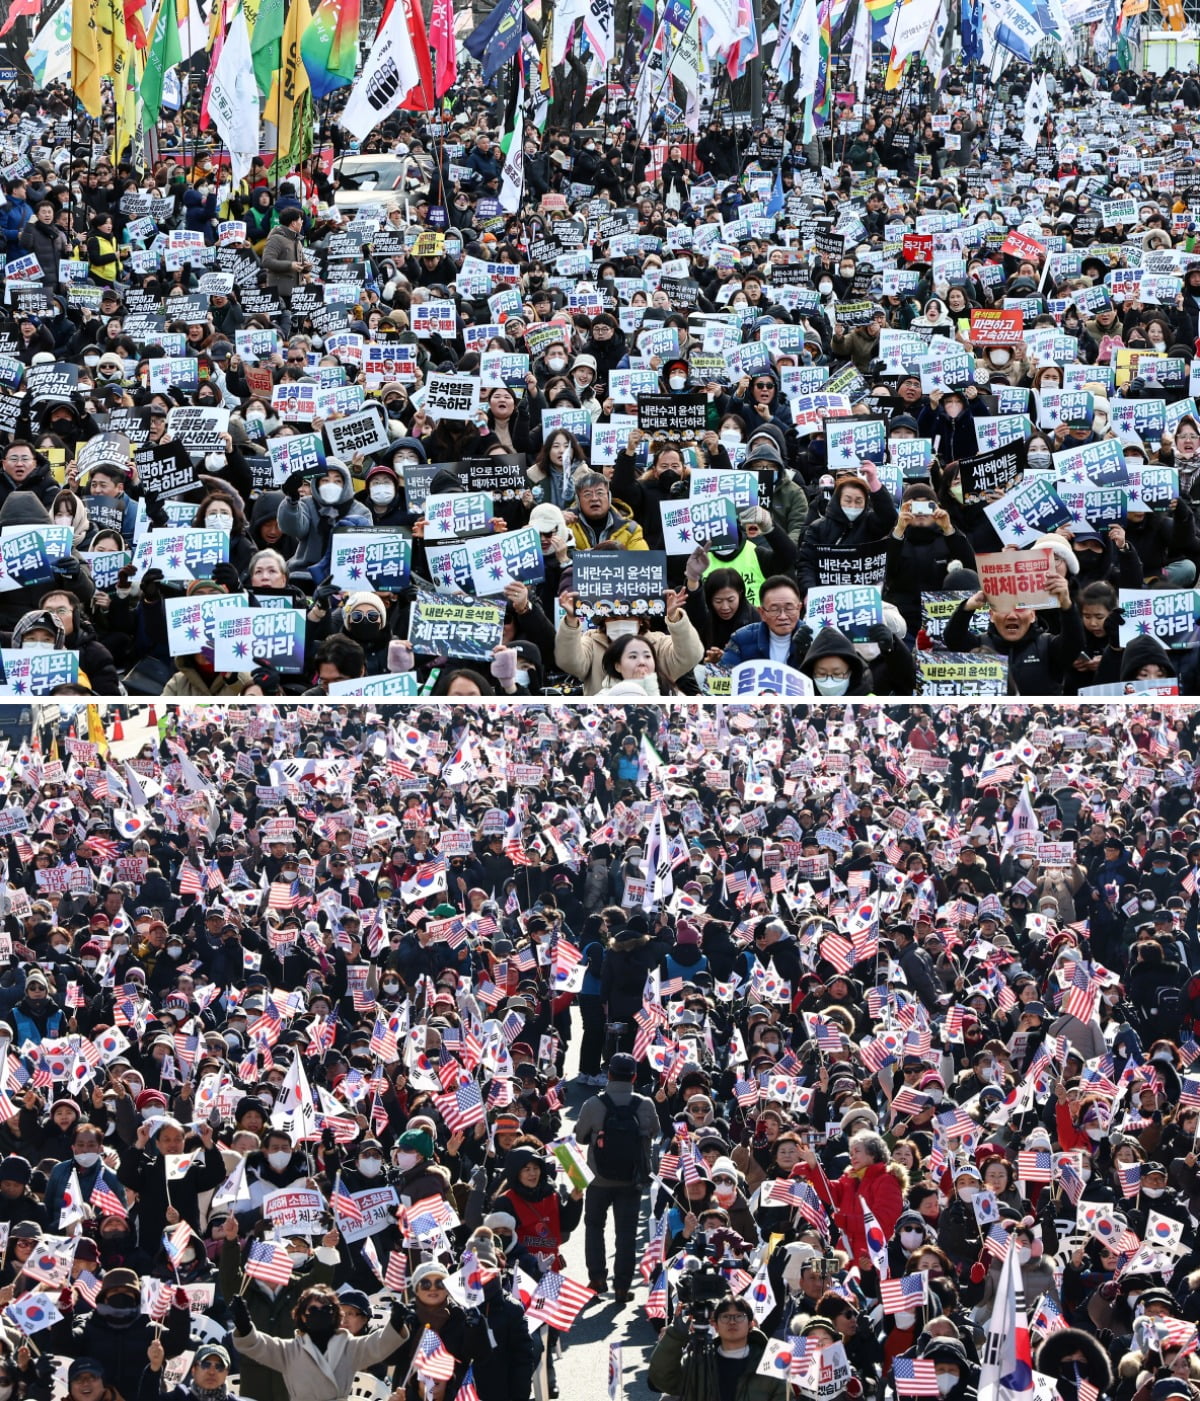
(616, 1126)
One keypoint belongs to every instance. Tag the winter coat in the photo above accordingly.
(25, 507)
(834, 528)
(918, 564)
(670, 1368)
(283, 248)
(829, 642)
(592, 1115)
(314, 1374)
(581, 653)
(619, 532)
(311, 523)
(48, 244)
(881, 1187)
(1037, 662)
(188, 681)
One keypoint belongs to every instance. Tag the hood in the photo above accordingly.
(1139, 653)
(265, 508)
(763, 450)
(772, 431)
(446, 482)
(23, 507)
(79, 517)
(38, 619)
(333, 464)
(829, 642)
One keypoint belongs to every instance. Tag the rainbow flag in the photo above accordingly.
(329, 47)
(880, 11)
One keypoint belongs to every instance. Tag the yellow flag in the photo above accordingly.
(96, 733)
(86, 67)
(291, 81)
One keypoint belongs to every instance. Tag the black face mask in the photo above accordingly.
(368, 632)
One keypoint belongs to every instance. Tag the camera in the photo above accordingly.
(701, 1285)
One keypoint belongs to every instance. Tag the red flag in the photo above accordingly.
(441, 34)
(22, 7)
(420, 97)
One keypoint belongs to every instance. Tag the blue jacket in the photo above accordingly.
(198, 210)
(13, 218)
(751, 644)
(60, 1175)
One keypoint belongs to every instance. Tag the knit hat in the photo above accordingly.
(483, 1243)
(416, 1141)
(364, 598)
(1061, 548)
(430, 1270)
(500, 1221)
(15, 1169)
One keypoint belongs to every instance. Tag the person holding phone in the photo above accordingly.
(922, 549)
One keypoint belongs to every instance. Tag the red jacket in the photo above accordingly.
(879, 1186)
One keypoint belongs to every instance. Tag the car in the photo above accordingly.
(373, 180)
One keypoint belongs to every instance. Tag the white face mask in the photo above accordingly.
(967, 1194)
(278, 1161)
(86, 1160)
(256, 413)
(678, 381)
(904, 1319)
(725, 1193)
(370, 1167)
(825, 288)
(1095, 1134)
(832, 685)
(852, 513)
(37, 646)
(947, 1381)
(89, 964)
(912, 1240)
(558, 364)
(620, 627)
(175, 951)
(1152, 1192)
(298, 1257)
(63, 518)
(391, 987)
(214, 461)
(730, 440)
(406, 1160)
(219, 521)
(1024, 1255)
(382, 493)
(330, 492)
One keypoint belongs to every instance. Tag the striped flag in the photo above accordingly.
(105, 1202)
(914, 1376)
(344, 1204)
(904, 1294)
(432, 1359)
(1035, 1167)
(558, 1300)
(269, 1262)
(396, 1276)
(462, 1109)
(1048, 1318)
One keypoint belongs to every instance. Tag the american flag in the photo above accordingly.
(914, 1376)
(267, 1027)
(1081, 993)
(463, 1108)
(383, 1042)
(432, 1359)
(809, 1205)
(1048, 1318)
(344, 1204)
(1130, 1176)
(1189, 1091)
(746, 1093)
(105, 1202)
(1087, 1391)
(558, 1300)
(656, 1303)
(269, 1262)
(396, 1277)
(907, 1292)
(189, 880)
(827, 1036)
(1035, 1167)
(88, 1286)
(284, 895)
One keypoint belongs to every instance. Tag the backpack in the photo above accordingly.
(1168, 1007)
(617, 1147)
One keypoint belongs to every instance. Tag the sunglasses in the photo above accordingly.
(215, 1363)
(431, 1284)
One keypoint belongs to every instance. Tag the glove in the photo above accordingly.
(802, 638)
(402, 1315)
(240, 1315)
(227, 576)
(504, 664)
(66, 570)
(291, 487)
(882, 634)
(697, 563)
(400, 657)
(152, 585)
(324, 592)
(1112, 628)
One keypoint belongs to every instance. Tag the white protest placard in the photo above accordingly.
(454, 397)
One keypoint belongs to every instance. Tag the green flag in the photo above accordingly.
(266, 43)
(162, 53)
(301, 143)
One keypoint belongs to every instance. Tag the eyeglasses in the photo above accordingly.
(732, 1318)
(780, 610)
(297, 359)
(764, 384)
(833, 676)
(365, 615)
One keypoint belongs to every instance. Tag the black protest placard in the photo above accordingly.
(192, 310)
(418, 475)
(852, 564)
(305, 301)
(503, 476)
(46, 382)
(162, 473)
(987, 476)
(440, 627)
(255, 303)
(620, 583)
(672, 415)
(105, 512)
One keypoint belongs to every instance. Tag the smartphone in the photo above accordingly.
(921, 508)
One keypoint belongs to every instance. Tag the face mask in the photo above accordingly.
(370, 1167)
(1024, 1255)
(725, 1193)
(89, 964)
(330, 492)
(771, 1047)
(119, 1317)
(37, 646)
(1025, 861)
(219, 522)
(175, 951)
(620, 627)
(62, 519)
(956, 491)
(1038, 459)
(904, 1319)
(832, 685)
(967, 1194)
(678, 381)
(1001, 357)
(1148, 905)
(278, 1161)
(60, 948)
(255, 413)
(754, 852)
(406, 1160)
(1095, 1134)
(558, 364)
(391, 987)
(825, 288)
(912, 1240)
(298, 1257)
(852, 513)
(953, 409)
(1152, 1192)
(86, 1160)
(947, 1381)
(730, 440)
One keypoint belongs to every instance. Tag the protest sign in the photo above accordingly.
(358, 434)
(452, 397)
(710, 522)
(379, 559)
(455, 515)
(960, 674)
(853, 611)
(767, 678)
(620, 583)
(183, 555)
(1017, 579)
(199, 429)
(857, 565)
(243, 637)
(303, 452)
(1030, 509)
(987, 476)
(672, 415)
(28, 553)
(190, 621)
(1170, 615)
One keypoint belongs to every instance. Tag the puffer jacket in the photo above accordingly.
(581, 653)
(670, 1368)
(311, 523)
(619, 532)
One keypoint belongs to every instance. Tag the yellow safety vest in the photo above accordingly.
(747, 564)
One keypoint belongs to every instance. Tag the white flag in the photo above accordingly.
(388, 75)
(233, 103)
(1007, 1372)
(513, 171)
(72, 1203)
(760, 1296)
(234, 1189)
(599, 26)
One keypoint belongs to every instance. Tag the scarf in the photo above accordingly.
(213, 1393)
(435, 1318)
